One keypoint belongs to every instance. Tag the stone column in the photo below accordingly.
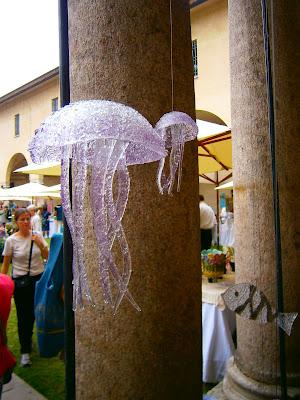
(120, 50)
(254, 371)
(36, 178)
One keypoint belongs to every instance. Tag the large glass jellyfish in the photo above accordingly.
(104, 137)
(175, 128)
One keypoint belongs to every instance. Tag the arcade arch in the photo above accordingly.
(209, 117)
(18, 160)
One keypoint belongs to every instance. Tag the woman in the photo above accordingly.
(26, 251)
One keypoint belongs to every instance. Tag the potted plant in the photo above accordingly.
(213, 263)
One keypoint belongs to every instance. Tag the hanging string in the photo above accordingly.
(171, 56)
(276, 207)
(94, 54)
(277, 368)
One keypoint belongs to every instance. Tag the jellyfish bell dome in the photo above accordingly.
(107, 136)
(180, 121)
(88, 121)
(175, 128)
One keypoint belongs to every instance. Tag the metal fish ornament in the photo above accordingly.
(250, 303)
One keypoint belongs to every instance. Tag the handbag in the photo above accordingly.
(49, 307)
(25, 280)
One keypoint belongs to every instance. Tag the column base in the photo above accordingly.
(237, 386)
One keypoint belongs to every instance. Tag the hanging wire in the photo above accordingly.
(171, 56)
(276, 206)
(277, 368)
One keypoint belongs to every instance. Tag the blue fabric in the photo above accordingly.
(59, 213)
(49, 308)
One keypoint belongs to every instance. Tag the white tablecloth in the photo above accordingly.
(218, 324)
(211, 292)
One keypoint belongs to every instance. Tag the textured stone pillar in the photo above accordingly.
(120, 50)
(254, 371)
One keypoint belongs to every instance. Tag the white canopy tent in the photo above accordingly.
(54, 188)
(5, 196)
(29, 190)
(227, 185)
(49, 168)
(207, 129)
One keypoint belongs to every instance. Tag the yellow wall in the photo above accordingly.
(209, 25)
(33, 106)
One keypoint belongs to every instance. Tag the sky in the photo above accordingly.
(28, 41)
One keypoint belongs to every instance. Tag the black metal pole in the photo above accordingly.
(68, 249)
(276, 207)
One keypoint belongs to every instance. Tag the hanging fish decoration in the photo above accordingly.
(250, 303)
(106, 137)
(175, 128)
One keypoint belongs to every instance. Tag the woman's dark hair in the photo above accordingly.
(19, 212)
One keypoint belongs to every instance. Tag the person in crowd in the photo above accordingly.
(39, 211)
(36, 223)
(2, 231)
(7, 360)
(8, 214)
(26, 251)
(12, 205)
(207, 223)
(58, 213)
(2, 214)
(45, 221)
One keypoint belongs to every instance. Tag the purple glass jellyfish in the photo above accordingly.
(106, 137)
(175, 128)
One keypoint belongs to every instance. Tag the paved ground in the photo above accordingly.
(217, 392)
(17, 389)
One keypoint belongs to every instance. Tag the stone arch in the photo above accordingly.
(18, 160)
(209, 117)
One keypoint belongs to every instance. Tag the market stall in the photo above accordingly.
(218, 322)
(214, 162)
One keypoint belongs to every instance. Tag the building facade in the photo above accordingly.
(210, 40)
(21, 112)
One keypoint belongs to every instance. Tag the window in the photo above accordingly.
(54, 104)
(195, 57)
(17, 125)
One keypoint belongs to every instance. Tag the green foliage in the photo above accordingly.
(217, 247)
(9, 228)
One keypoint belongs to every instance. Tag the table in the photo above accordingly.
(218, 324)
